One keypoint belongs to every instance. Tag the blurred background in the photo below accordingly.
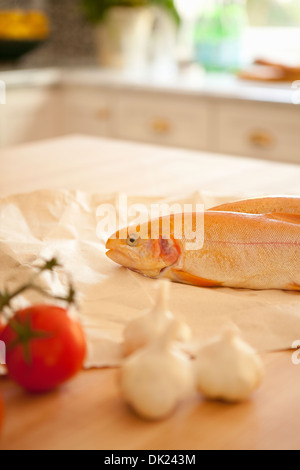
(264, 28)
(214, 75)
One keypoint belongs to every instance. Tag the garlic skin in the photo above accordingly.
(145, 329)
(228, 369)
(155, 379)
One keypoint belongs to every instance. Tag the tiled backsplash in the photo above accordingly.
(72, 39)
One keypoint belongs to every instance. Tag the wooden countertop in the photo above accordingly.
(88, 412)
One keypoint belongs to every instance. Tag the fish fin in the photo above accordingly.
(247, 206)
(228, 207)
(186, 278)
(290, 218)
(262, 205)
(293, 286)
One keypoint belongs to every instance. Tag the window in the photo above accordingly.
(284, 13)
(273, 31)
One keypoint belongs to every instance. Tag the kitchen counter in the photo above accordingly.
(88, 412)
(21, 78)
(192, 82)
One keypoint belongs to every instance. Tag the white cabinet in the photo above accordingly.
(163, 119)
(259, 130)
(229, 126)
(29, 114)
(87, 110)
(154, 115)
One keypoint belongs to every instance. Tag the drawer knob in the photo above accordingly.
(102, 114)
(161, 126)
(262, 139)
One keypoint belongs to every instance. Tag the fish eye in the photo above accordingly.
(133, 239)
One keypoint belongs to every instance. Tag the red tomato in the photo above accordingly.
(44, 348)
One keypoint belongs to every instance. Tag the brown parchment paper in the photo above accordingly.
(64, 224)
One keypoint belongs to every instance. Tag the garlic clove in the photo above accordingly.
(160, 383)
(228, 369)
(155, 379)
(146, 328)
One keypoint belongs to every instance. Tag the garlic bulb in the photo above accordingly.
(228, 369)
(151, 324)
(155, 379)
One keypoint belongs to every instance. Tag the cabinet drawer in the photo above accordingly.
(87, 111)
(262, 131)
(163, 120)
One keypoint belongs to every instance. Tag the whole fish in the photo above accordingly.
(253, 244)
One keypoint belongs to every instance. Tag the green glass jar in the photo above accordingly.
(218, 34)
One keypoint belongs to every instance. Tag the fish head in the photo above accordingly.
(135, 249)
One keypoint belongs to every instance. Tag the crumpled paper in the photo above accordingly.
(50, 223)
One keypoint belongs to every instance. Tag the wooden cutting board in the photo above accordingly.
(89, 413)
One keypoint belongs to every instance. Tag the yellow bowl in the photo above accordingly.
(20, 25)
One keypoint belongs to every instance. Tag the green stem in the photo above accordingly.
(6, 297)
(70, 298)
